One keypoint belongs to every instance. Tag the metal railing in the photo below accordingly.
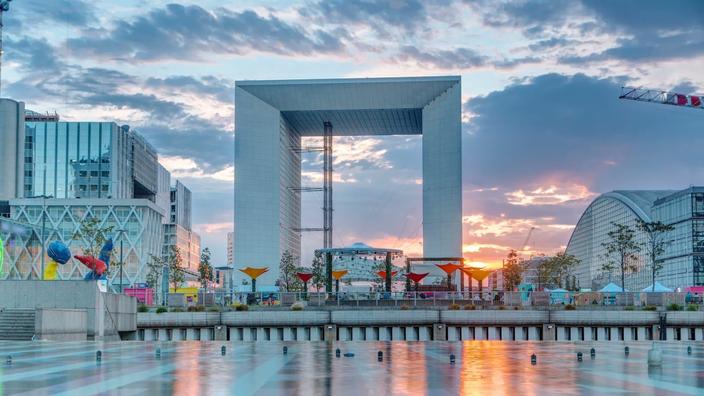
(446, 298)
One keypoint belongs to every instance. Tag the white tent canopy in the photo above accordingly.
(612, 288)
(659, 287)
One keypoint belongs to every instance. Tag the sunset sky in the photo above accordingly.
(543, 130)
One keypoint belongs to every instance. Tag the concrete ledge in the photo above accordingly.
(494, 317)
(384, 317)
(615, 318)
(273, 318)
(685, 318)
(178, 319)
(61, 324)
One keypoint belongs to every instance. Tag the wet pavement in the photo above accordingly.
(312, 368)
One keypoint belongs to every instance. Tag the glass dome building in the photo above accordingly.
(683, 260)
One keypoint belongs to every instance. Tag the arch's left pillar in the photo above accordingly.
(267, 209)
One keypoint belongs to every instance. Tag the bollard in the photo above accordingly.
(592, 352)
(380, 355)
(223, 350)
(285, 350)
(99, 356)
(9, 360)
(158, 353)
(654, 357)
(626, 350)
(337, 352)
(689, 350)
(579, 356)
(533, 359)
(452, 359)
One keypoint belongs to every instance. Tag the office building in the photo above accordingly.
(12, 151)
(271, 117)
(683, 259)
(178, 231)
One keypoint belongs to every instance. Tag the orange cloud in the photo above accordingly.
(550, 195)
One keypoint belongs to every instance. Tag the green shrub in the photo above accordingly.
(692, 307)
(214, 309)
(629, 308)
(176, 309)
(570, 307)
(453, 307)
(142, 308)
(242, 307)
(196, 308)
(470, 307)
(161, 310)
(517, 308)
(404, 307)
(501, 307)
(650, 308)
(674, 307)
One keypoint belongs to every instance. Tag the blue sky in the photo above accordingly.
(543, 130)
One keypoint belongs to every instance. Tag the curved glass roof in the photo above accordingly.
(358, 248)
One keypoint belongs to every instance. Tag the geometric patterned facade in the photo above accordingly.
(140, 219)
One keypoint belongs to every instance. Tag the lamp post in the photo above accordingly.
(121, 233)
(43, 238)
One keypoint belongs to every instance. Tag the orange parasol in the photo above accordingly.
(339, 274)
(382, 274)
(449, 268)
(254, 272)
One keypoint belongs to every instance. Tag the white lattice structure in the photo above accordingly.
(140, 219)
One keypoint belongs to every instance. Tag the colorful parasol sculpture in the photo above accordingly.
(58, 253)
(254, 273)
(449, 269)
(304, 277)
(476, 273)
(382, 274)
(338, 275)
(416, 278)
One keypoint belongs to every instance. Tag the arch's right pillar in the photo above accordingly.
(442, 175)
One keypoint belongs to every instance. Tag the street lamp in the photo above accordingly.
(121, 233)
(44, 198)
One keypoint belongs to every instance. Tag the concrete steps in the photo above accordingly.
(17, 324)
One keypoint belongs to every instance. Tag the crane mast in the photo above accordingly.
(662, 97)
(4, 7)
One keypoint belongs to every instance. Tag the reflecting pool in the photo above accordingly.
(310, 368)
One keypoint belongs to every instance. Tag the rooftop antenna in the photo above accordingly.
(4, 7)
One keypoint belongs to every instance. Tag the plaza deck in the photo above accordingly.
(311, 368)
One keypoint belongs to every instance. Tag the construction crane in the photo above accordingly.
(525, 243)
(662, 97)
(4, 7)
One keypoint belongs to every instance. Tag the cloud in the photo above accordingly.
(181, 167)
(462, 58)
(549, 195)
(178, 32)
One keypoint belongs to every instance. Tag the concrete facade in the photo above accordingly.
(272, 116)
(11, 149)
(107, 314)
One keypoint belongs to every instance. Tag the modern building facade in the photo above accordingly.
(683, 260)
(272, 116)
(11, 148)
(35, 220)
(55, 174)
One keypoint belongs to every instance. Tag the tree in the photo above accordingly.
(155, 272)
(622, 250)
(205, 269)
(655, 243)
(94, 236)
(318, 271)
(287, 273)
(175, 263)
(513, 270)
(556, 270)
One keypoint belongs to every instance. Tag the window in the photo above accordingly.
(82, 173)
(105, 173)
(94, 173)
(94, 187)
(82, 187)
(27, 160)
(28, 173)
(697, 205)
(104, 187)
